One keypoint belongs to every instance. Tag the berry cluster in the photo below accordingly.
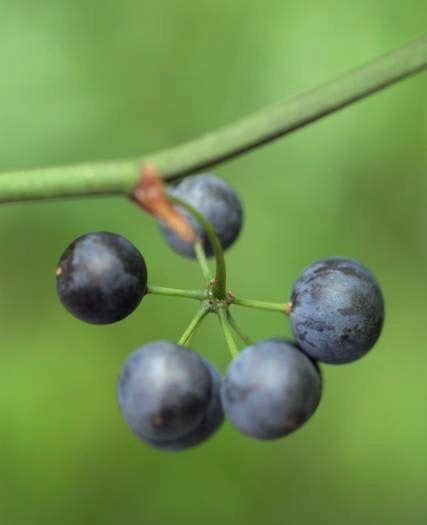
(173, 398)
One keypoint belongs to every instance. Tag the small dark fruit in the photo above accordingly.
(337, 310)
(169, 396)
(270, 389)
(101, 278)
(220, 205)
(211, 422)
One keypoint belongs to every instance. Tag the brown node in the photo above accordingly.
(151, 195)
(230, 297)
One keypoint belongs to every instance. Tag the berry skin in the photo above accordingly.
(210, 423)
(165, 393)
(101, 278)
(337, 310)
(219, 204)
(271, 389)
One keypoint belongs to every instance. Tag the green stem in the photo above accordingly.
(263, 126)
(191, 328)
(220, 281)
(232, 322)
(203, 262)
(285, 308)
(222, 316)
(176, 292)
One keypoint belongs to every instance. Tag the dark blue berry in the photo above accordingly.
(337, 310)
(101, 278)
(210, 423)
(271, 389)
(165, 393)
(219, 204)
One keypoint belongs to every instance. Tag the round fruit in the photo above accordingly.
(219, 204)
(271, 389)
(164, 392)
(101, 278)
(210, 423)
(337, 310)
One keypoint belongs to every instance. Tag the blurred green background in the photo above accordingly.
(86, 80)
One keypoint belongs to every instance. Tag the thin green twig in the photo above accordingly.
(263, 126)
(176, 292)
(191, 328)
(228, 336)
(232, 322)
(284, 308)
(219, 286)
(202, 260)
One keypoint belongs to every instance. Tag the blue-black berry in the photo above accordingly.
(270, 389)
(101, 278)
(337, 310)
(211, 422)
(220, 205)
(169, 396)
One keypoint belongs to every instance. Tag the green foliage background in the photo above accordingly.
(86, 80)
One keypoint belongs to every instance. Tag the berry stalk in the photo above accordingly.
(284, 308)
(228, 336)
(176, 292)
(220, 280)
(203, 262)
(232, 322)
(192, 327)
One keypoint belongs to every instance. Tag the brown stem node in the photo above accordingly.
(150, 194)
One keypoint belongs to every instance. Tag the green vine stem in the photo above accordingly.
(222, 316)
(263, 126)
(284, 308)
(176, 292)
(191, 328)
(220, 281)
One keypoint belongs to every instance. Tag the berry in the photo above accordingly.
(271, 389)
(219, 204)
(165, 394)
(337, 310)
(210, 423)
(101, 278)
